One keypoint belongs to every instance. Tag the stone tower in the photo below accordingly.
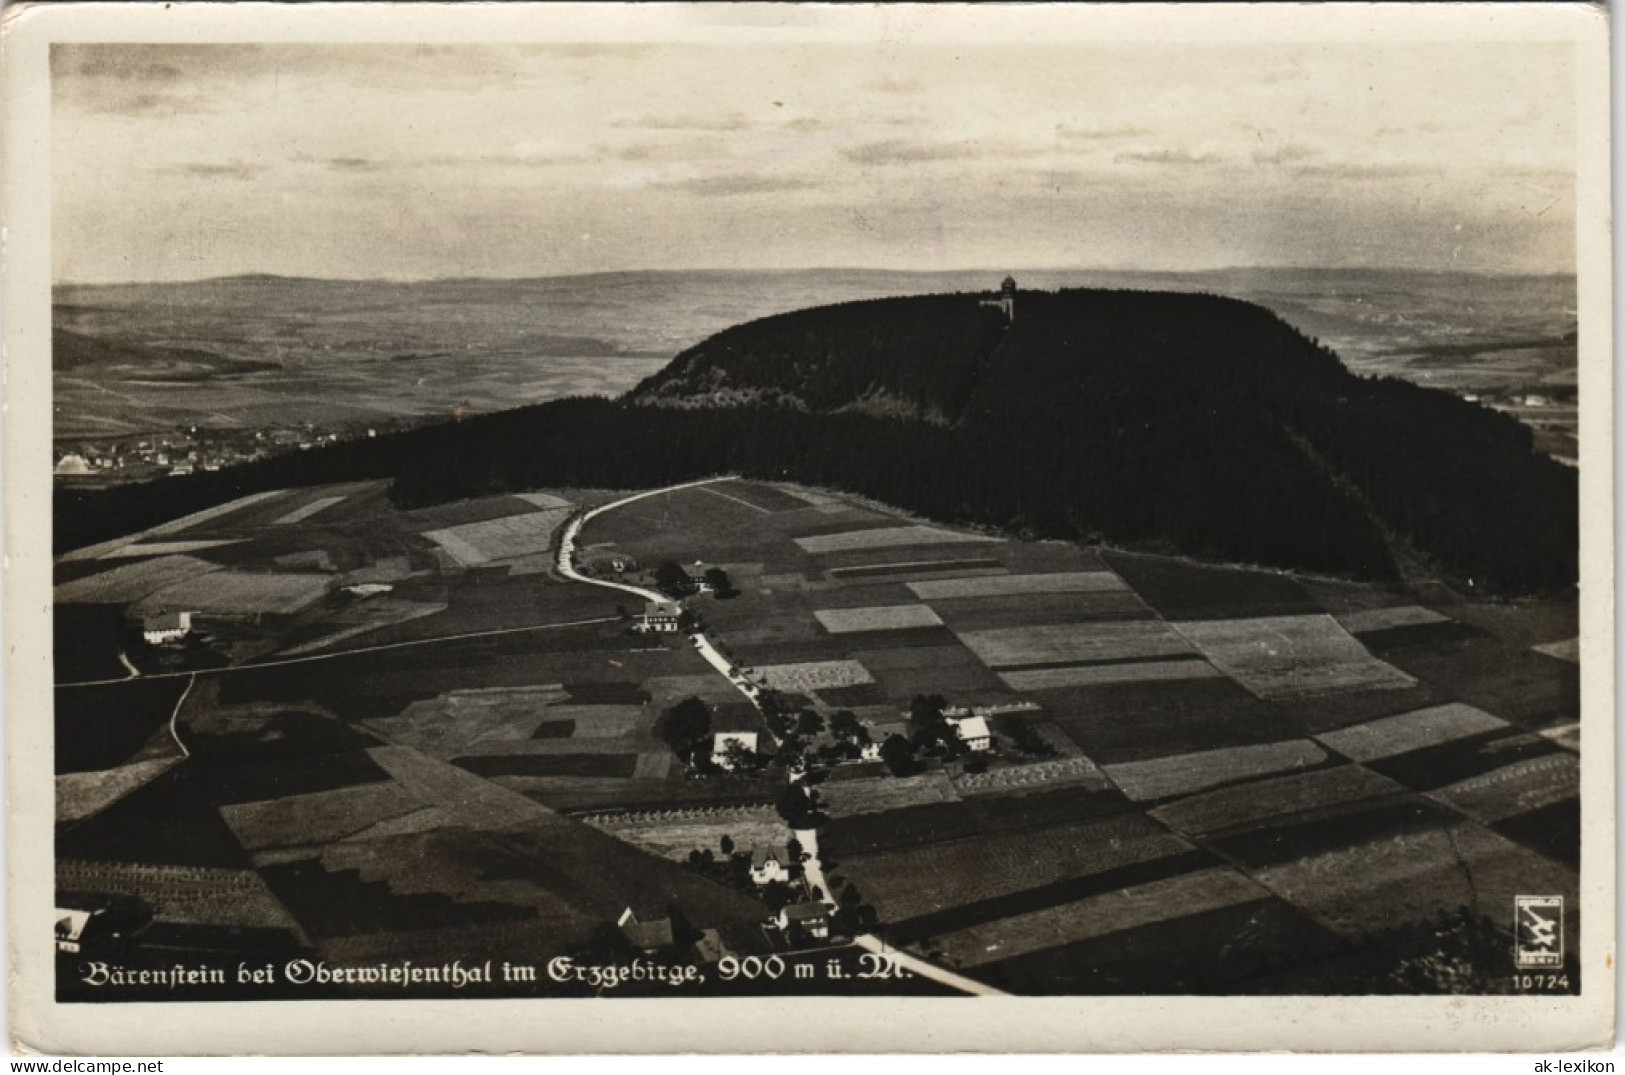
(1006, 300)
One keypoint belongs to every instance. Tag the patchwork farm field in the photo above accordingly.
(403, 734)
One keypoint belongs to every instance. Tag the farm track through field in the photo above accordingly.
(174, 732)
(284, 662)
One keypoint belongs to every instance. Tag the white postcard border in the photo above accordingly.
(1416, 1024)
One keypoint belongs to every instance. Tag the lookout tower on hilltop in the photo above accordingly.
(1006, 300)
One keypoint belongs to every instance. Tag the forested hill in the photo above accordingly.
(933, 356)
(1201, 422)
(1176, 422)
(918, 357)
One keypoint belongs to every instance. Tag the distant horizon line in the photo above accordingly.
(480, 278)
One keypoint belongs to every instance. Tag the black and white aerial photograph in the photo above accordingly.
(865, 514)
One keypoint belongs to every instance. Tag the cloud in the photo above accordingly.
(1177, 157)
(723, 186)
(1361, 169)
(1289, 153)
(516, 158)
(1425, 127)
(215, 169)
(523, 155)
(146, 104)
(733, 121)
(137, 64)
(110, 77)
(110, 100)
(1098, 134)
(354, 164)
(667, 152)
(897, 151)
(141, 79)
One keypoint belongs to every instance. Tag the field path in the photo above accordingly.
(282, 662)
(174, 715)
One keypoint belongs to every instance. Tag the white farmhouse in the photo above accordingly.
(166, 627)
(769, 864)
(810, 915)
(659, 617)
(973, 731)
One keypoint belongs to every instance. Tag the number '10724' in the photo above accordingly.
(1544, 982)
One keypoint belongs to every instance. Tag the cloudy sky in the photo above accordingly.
(181, 162)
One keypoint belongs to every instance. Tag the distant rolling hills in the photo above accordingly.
(1177, 422)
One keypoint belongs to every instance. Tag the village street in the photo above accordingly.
(812, 868)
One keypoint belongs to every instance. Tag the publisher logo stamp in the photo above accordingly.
(1538, 931)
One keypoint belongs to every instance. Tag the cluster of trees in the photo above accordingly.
(798, 805)
(672, 580)
(930, 737)
(797, 728)
(1027, 739)
(1169, 422)
(686, 729)
(852, 914)
(849, 732)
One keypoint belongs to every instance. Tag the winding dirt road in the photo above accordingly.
(567, 549)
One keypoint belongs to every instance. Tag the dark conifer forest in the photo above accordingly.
(1181, 423)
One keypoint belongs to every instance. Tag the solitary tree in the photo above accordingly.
(844, 724)
(1028, 740)
(684, 725)
(926, 709)
(720, 583)
(795, 806)
(672, 579)
(898, 754)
